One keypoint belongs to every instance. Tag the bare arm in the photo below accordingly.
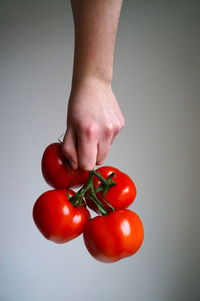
(94, 117)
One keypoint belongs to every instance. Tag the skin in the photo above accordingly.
(94, 117)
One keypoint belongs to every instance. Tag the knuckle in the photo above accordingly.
(108, 130)
(123, 122)
(120, 125)
(117, 128)
(90, 131)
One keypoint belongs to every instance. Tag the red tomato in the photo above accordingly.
(114, 236)
(119, 196)
(56, 218)
(56, 170)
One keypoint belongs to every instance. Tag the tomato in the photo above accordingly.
(56, 170)
(56, 218)
(114, 236)
(119, 196)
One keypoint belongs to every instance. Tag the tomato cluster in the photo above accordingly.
(61, 214)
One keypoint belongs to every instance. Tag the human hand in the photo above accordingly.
(94, 119)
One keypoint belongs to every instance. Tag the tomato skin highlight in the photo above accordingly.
(57, 172)
(120, 196)
(118, 235)
(56, 218)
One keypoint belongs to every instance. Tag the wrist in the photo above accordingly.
(92, 79)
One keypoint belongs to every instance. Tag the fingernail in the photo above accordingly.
(100, 163)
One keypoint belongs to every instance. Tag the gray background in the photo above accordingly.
(157, 84)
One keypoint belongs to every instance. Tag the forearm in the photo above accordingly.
(94, 117)
(95, 23)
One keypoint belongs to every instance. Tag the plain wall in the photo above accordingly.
(156, 80)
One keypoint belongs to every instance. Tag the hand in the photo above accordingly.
(94, 119)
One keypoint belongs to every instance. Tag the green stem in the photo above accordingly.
(94, 198)
(105, 183)
(109, 178)
(104, 188)
(101, 178)
(76, 200)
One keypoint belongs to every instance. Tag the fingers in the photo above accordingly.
(80, 148)
(69, 147)
(102, 152)
(109, 134)
(104, 144)
(87, 147)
